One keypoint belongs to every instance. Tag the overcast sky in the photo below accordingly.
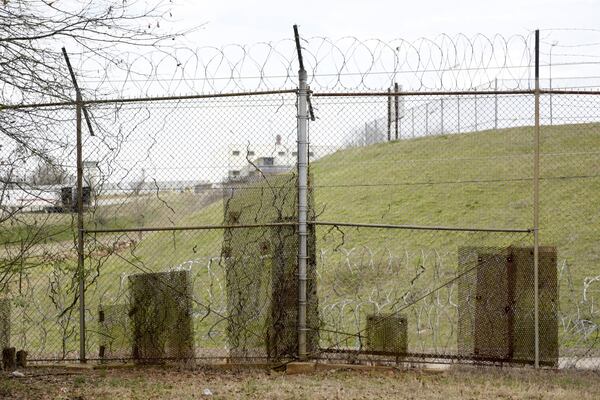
(250, 21)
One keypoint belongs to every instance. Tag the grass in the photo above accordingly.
(165, 383)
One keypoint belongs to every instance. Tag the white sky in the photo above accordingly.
(563, 22)
(235, 21)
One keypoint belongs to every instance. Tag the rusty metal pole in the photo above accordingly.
(536, 202)
(389, 116)
(80, 108)
(80, 257)
(396, 109)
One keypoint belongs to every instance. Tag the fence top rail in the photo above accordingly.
(72, 103)
(423, 93)
(144, 99)
(455, 93)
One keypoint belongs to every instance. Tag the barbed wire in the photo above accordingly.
(446, 62)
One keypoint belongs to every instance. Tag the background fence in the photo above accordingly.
(420, 237)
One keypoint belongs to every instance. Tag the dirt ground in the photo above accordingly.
(171, 383)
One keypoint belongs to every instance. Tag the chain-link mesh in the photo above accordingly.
(569, 183)
(219, 175)
(454, 166)
(37, 234)
(420, 243)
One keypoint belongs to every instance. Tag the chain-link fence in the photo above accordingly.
(410, 236)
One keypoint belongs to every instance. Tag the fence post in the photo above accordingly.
(302, 198)
(496, 103)
(536, 201)
(389, 116)
(396, 109)
(80, 258)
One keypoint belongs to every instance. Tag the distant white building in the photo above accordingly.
(269, 159)
(31, 199)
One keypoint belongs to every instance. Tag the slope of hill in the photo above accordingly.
(479, 179)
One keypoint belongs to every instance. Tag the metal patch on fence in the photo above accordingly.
(387, 333)
(262, 269)
(161, 316)
(496, 304)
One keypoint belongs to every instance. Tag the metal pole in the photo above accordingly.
(302, 199)
(88, 120)
(80, 259)
(389, 118)
(536, 200)
(396, 109)
(496, 104)
(551, 122)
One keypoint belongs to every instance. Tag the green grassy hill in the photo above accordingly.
(481, 179)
